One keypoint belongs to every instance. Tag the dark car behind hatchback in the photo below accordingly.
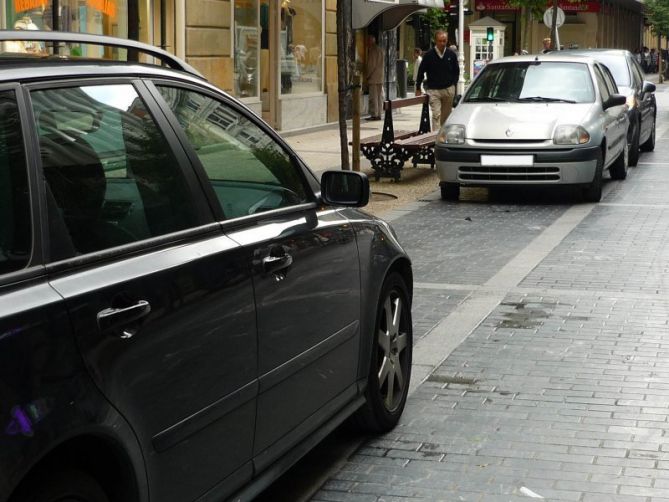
(640, 95)
(184, 309)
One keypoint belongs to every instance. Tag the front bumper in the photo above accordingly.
(558, 166)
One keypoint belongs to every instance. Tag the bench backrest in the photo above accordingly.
(400, 103)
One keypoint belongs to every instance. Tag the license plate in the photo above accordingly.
(507, 160)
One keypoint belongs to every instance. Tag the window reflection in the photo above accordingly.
(101, 17)
(300, 43)
(246, 48)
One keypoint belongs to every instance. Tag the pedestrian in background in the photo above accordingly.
(417, 59)
(441, 66)
(547, 45)
(653, 61)
(374, 77)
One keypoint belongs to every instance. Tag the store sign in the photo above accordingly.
(592, 6)
(107, 7)
(23, 5)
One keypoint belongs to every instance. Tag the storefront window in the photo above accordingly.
(101, 17)
(301, 44)
(246, 48)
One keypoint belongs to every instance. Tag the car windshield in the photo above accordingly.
(533, 81)
(617, 65)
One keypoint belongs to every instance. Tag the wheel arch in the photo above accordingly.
(99, 456)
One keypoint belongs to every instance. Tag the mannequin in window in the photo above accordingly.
(24, 46)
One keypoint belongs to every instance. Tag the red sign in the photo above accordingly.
(23, 5)
(590, 6)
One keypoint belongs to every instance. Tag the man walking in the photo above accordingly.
(374, 77)
(441, 66)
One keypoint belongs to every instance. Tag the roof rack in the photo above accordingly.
(86, 38)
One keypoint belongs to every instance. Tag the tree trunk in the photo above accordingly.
(660, 77)
(345, 62)
(526, 29)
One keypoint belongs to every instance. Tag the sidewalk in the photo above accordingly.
(319, 147)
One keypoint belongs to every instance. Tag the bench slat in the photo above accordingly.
(399, 135)
(400, 103)
(420, 140)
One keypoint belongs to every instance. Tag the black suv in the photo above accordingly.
(640, 95)
(185, 309)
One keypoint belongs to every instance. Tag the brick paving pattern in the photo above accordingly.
(562, 392)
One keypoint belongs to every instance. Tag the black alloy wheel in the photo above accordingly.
(634, 144)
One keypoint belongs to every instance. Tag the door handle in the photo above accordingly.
(111, 318)
(276, 263)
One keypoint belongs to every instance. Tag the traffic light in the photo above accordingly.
(490, 34)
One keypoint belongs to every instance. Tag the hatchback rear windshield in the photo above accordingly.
(533, 81)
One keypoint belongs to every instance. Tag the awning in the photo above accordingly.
(390, 12)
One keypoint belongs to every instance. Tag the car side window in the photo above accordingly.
(15, 225)
(610, 81)
(637, 73)
(249, 171)
(111, 176)
(601, 84)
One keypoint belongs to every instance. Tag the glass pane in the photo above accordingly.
(518, 81)
(249, 171)
(246, 48)
(102, 17)
(110, 172)
(15, 226)
(300, 41)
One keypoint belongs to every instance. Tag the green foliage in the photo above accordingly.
(438, 19)
(657, 12)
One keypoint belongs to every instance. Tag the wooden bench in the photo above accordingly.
(389, 150)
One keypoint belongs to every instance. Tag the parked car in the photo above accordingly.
(640, 96)
(547, 120)
(185, 310)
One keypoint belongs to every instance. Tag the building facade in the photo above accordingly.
(280, 56)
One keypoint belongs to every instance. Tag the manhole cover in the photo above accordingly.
(381, 196)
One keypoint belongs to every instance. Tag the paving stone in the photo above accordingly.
(563, 388)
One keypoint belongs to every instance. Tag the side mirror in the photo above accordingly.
(614, 100)
(648, 87)
(345, 188)
(457, 99)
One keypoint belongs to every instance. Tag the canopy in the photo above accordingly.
(390, 12)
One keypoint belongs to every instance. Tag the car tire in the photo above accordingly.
(634, 146)
(385, 396)
(450, 191)
(60, 485)
(649, 145)
(593, 191)
(618, 169)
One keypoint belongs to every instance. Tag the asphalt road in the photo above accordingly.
(541, 367)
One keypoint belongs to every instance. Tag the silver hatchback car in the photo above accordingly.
(535, 120)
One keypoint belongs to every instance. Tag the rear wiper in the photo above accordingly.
(543, 99)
